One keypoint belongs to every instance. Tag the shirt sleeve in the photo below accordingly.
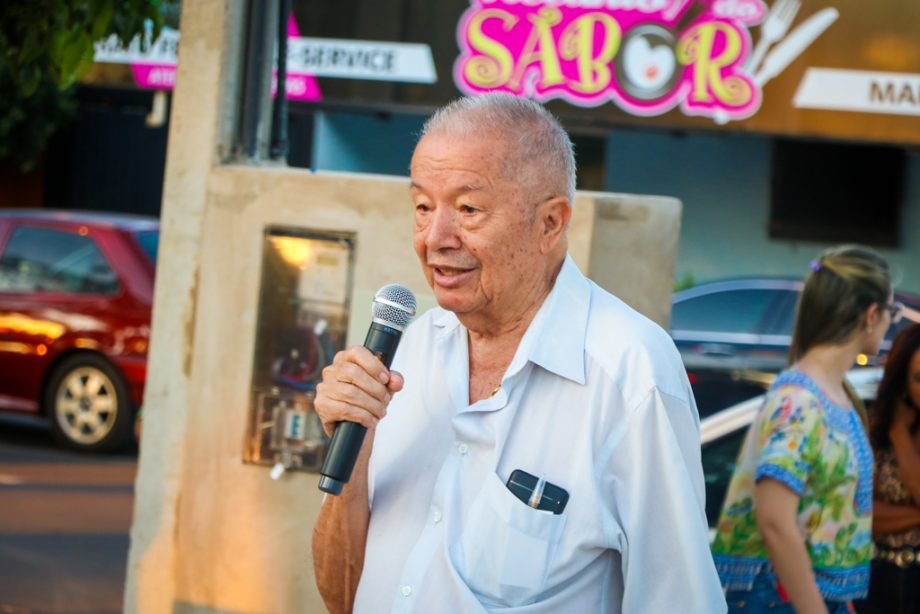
(786, 437)
(659, 505)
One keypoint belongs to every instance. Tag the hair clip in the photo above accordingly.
(815, 265)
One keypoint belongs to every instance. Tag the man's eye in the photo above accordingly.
(468, 209)
(421, 207)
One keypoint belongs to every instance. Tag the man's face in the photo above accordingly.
(477, 241)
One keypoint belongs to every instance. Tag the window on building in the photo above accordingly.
(836, 192)
(43, 260)
(300, 136)
(589, 158)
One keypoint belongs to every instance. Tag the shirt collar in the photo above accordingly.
(555, 339)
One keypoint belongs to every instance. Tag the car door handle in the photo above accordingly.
(716, 349)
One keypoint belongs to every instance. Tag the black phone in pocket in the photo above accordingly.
(541, 496)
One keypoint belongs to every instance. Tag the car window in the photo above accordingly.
(894, 329)
(43, 260)
(782, 318)
(897, 327)
(716, 389)
(719, 459)
(149, 240)
(731, 311)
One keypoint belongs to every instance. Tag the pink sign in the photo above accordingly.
(645, 56)
(161, 76)
(154, 76)
(298, 85)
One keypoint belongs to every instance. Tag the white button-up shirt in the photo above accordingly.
(595, 401)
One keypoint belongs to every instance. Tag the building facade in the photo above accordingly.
(782, 127)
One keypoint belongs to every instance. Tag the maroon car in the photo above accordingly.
(75, 295)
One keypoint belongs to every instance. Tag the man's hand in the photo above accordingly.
(356, 387)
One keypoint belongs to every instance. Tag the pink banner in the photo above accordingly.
(645, 56)
(154, 76)
(299, 86)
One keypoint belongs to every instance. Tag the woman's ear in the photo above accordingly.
(873, 315)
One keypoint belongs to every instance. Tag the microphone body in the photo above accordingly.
(393, 307)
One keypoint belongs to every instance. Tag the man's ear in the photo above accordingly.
(553, 217)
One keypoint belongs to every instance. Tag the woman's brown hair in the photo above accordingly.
(893, 387)
(845, 281)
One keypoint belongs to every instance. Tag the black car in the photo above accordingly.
(734, 335)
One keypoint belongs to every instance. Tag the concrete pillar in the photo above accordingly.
(205, 81)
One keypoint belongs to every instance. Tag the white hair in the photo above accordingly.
(541, 151)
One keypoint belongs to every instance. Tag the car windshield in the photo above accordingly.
(149, 240)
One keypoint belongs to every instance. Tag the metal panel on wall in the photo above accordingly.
(303, 318)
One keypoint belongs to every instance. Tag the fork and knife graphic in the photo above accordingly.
(774, 28)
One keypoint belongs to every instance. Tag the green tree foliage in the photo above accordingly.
(45, 46)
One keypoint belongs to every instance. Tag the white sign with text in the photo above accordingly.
(320, 57)
(859, 90)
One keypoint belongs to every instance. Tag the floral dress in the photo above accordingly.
(820, 451)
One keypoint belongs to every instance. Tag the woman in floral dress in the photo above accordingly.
(794, 534)
(894, 587)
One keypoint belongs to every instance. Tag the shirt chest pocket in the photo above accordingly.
(506, 548)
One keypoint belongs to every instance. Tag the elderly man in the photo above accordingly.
(525, 367)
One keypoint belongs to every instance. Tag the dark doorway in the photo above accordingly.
(108, 159)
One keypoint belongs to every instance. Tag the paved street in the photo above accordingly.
(64, 522)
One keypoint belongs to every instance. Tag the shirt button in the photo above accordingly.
(436, 516)
(463, 448)
(406, 591)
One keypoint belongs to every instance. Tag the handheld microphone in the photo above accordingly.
(393, 308)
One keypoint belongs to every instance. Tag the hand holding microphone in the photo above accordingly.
(358, 386)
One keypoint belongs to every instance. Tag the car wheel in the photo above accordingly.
(88, 404)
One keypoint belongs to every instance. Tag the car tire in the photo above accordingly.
(87, 402)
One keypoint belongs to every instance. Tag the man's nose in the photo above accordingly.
(442, 231)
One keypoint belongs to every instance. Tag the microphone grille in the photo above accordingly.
(394, 305)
